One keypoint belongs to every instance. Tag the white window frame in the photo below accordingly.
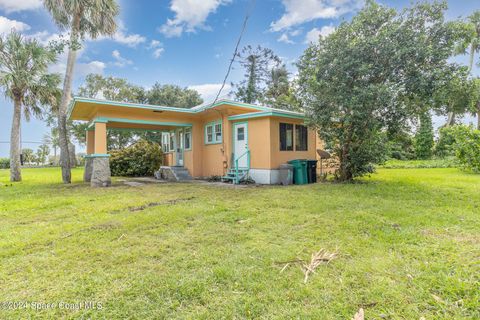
(216, 128)
(187, 132)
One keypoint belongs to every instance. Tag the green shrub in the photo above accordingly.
(467, 147)
(4, 163)
(424, 137)
(140, 159)
(445, 143)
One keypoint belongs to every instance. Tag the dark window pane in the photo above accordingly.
(240, 134)
(286, 137)
(301, 138)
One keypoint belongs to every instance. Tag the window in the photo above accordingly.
(188, 138)
(301, 138)
(213, 133)
(172, 141)
(241, 134)
(165, 141)
(286, 137)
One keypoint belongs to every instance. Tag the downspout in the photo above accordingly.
(225, 157)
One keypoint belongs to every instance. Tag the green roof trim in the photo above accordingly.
(267, 114)
(193, 110)
(134, 121)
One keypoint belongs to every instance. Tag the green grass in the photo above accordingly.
(411, 164)
(408, 242)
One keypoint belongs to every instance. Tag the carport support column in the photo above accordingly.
(101, 176)
(90, 139)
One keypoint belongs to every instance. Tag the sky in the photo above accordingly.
(185, 42)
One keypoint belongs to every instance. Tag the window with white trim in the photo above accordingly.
(213, 133)
(165, 141)
(188, 138)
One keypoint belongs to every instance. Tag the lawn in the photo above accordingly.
(408, 243)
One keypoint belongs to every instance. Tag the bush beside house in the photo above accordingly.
(4, 163)
(140, 159)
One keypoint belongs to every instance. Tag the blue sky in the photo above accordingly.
(185, 42)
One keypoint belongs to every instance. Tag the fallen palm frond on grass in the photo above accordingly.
(360, 315)
(318, 258)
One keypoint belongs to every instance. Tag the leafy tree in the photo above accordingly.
(424, 137)
(81, 18)
(257, 63)
(28, 155)
(371, 76)
(279, 92)
(467, 147)
(458, 94)
(25, 80)
(42, 153)
(110, 88)
(173, 96)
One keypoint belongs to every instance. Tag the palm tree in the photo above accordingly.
(25, 80)
(52, 139)
(471, 45)
(82, 18)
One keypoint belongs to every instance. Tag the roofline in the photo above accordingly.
(193, 110)
(270, 113)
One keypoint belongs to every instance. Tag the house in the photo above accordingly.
(207, 140)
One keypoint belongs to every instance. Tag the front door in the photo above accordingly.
(240, 143)
(179, 147)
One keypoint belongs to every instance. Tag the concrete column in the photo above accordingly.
(101, 175)
(87, 174)
(100, 138)
(90, 141)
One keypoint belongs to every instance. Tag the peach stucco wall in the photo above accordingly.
(205, 160)
(279, 157)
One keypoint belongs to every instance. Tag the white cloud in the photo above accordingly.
(158, 53)
(119, 60)
(6, 25)
(154, 44)
(285, 39)
(301, 11)
(19, 5)
(81, 68)
(209, 91)
(189, 15)
(315, 33)
(131, 40)
(121, 36)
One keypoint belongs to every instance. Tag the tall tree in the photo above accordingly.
(25, 80)
(469, 44)
(371, 76)
(424, 137)
(52, 140)
(280, 93)
(173, 96)
(81, 18)
(257, 63)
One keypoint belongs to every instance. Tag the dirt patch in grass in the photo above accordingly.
(153, 204)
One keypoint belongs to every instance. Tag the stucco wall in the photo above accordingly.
(279, 157)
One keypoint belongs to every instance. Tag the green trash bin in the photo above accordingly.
(299, 171)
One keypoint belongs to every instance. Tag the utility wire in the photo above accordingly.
(235, 52)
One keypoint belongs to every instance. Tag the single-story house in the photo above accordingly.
(206, 140)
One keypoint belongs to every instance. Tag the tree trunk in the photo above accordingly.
(450, 119)
(66, 96)
(478, 115)
(15, 171)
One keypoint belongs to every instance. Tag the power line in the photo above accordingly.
(235, 52)
(36, 142)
